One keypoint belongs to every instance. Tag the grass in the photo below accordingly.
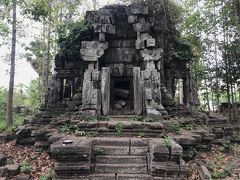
(17, 121)
(49, 176)
(26, 167)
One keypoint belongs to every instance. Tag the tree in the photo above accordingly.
(12, 68)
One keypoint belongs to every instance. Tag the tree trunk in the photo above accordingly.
(12, 68)
(207, 96)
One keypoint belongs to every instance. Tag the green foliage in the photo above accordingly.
(33, 91)
(26, 167)
(19, 99)
(119, 129)
(176, 127)
(3, 104)
(89, 118)
(98, 151)
(70, 37)
(220, 174)
(80, 133)
(167, 141)
(65, 129)
(38, 10)
(141, 119)
(141, 134)
(182, 50)
(49, 176)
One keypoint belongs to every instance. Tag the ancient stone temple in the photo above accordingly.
(122, 68)
(105, 116)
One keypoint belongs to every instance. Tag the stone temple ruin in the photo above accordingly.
(116, 93)
(122, 68)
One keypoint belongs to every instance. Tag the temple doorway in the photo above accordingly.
(121, 95)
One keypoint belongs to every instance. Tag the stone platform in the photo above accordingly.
(118, 158)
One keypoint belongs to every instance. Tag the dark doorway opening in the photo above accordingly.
(122, 96)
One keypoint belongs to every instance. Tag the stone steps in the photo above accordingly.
(110, 159)
(121, 168)
(112, 176)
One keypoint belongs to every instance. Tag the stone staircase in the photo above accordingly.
(118, 159)
(121, 158)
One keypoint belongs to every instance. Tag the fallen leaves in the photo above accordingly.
(40, 162)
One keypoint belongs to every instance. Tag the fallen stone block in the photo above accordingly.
(3, 159)
(204, 173)
(13, 170)
(122, 93)
(23, 177)
(3, 172)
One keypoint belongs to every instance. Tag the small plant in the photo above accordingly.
(104, 118)
(26, 167)
(141, 119)
(147, 119)
(220, 174)
(226, 144)
(188, 127)
(98, 151)
(93, 134)
(80, 133)
(3, 126)
(141, 135)
(49, 176)
(176, 127)
(119, 129)
(65, 129)
(167, 141)
(89, 118)
(219, 156)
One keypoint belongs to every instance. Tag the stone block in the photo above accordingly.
(151, 42)
(138, 90)
(102, 37)
(158, 150)
(151, 54)
(3, 172)
(108, 28)
(23, 177)
(154, 114)
(156, 76)
(121, 55)
(122, 93)
(141, 27)
(105, 19)
(117, 69)
(140, 44)
(97, 28)
(3, 159)
(105, 90)
(204, 173)
(13, 170)
(96, 76)
(132, 19)
(176, 151)
(146, 74)
(138, 10)
(92, 50)
(148, 94)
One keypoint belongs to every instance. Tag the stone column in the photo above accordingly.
(105, 90)
(181, 95)
(186, 91)
(137, 91)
